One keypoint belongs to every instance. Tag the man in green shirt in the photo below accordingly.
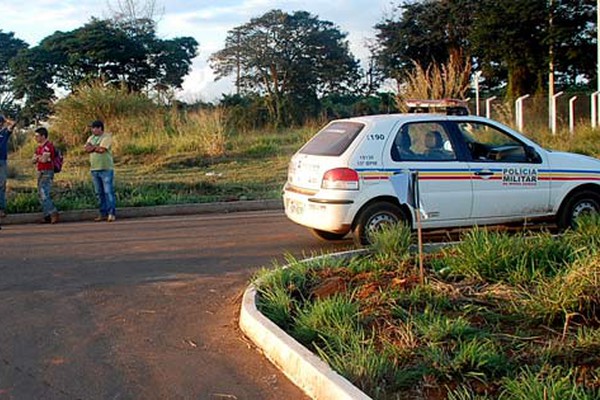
(98, 145)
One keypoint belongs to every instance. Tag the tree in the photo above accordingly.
(427, 32)
(131, 11)
(33, 76)
(9, 47)
(117, 52)
(509, 41)
(572, 36)
(291, 59)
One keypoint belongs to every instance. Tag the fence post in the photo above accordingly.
(572, 114)
(593, 103)
(553, 112)
(488, 109)
(476, 77)
(519, 112)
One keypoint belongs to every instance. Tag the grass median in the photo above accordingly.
(499, 316)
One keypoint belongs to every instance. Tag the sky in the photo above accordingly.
(207, 21)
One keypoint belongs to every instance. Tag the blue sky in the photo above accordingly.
(207, 21)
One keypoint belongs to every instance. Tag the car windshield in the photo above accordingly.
(333, 140)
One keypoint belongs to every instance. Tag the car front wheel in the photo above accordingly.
(584, 203)
(373, 218)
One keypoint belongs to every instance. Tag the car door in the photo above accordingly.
(444, 180)
(505, 174)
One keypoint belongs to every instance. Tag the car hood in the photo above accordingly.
(561, 159)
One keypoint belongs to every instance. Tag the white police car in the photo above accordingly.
(472, 171)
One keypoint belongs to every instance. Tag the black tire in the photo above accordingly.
(372, 218)
(581, 203)
(327, 236)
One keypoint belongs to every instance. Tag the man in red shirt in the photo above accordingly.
(44, 154)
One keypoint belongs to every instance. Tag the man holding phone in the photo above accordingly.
(99, 145)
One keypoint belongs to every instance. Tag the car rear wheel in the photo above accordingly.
(583, 203)
(328, 236)
(373, 218)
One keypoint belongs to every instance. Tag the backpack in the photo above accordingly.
(57, 161)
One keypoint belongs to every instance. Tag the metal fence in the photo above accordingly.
(573, 111)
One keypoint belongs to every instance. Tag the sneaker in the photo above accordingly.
(54, 218)
(111, 218)
(46, 220)
(100, 218)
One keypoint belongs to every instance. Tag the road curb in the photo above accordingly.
(302, 367)
(154, 211)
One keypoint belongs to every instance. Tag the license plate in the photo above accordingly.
(295, 207)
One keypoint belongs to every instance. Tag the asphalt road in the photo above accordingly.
(139, 309)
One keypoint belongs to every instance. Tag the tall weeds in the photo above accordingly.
(138, 124)
(119, 108)
(450, 80)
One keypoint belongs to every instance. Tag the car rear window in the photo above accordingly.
(333, 140)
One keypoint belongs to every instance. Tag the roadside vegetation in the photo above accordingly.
(170, 152)
(177, 154)
(499, 316)
(163, 155)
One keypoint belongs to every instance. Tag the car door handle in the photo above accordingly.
(484, 173)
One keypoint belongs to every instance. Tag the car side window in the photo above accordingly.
(486, 143)
(422, 141)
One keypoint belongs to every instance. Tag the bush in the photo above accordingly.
(120, 109)
(139, 125)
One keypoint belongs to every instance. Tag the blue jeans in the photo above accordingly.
(44, 185)
(3, 175)
(105, 191)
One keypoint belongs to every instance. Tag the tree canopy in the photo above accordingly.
(290, 59)
(509, 41)
(286, 64)
(9, 47)
(118, 52)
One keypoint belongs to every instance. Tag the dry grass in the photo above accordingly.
(139, 125)
(450, 80)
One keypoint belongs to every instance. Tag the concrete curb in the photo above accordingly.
(155, 211)
(303, 368)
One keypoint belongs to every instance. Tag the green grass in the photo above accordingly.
(166, 155)
(492, 257)
(499, 316)
(162, 155)
(253, 167)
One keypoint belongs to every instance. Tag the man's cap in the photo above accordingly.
(97, 124)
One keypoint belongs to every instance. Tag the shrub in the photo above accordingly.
(333, 318)
(574, 292)
(484, 255)
(553, 383)
(116, 106)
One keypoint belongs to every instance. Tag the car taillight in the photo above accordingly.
(340, 178)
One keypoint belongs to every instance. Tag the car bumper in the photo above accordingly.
(331, 215)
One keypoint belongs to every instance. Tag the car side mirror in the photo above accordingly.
(532, 155)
